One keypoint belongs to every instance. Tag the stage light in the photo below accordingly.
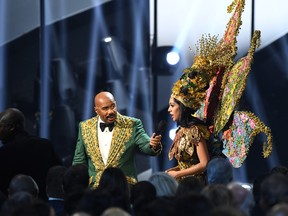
(165, 60)
(107, 39)
(115, 55)
(172, 58)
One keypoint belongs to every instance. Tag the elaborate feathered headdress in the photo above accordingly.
(211, 56)
(214, 84)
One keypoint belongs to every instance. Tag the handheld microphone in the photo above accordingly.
(161, 125)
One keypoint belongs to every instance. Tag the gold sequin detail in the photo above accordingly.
(121, 135)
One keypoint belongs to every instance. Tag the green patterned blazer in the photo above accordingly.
(128, 135)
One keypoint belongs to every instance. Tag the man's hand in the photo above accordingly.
(155, 141)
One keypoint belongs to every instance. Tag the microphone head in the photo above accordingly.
(161, 125)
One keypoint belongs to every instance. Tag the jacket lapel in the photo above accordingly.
(121, 135)
(89, 130)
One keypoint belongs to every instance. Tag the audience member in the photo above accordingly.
(71, 201)
(24, 183)
(16, 200)
(54, 188)
(161, 206)
(3, 198)
(81, 214)
(142, 193)
(35, 208)
(115, 211)
(23, 153)
(243, 197)
(75, 178)
(226, 211)
(280, 209)
(114, 182)
(192, 203)
(219, 171)
(164, 184)
(219, 195)
(280, 169)
(273, 190)
(256, 210)
(75, 183)
(94, 202)
(189, 184)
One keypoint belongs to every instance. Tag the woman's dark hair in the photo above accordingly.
(113, 178)
(113, 181)
(186, 119)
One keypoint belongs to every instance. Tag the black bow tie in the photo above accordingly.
(104, 125)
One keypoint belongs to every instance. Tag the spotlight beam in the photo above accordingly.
(44, 74)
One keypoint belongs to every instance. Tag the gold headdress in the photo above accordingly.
(212, 63)
(211, 56)
(214, 84)
(191, 88)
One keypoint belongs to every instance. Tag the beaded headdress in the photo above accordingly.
(214, 84)
(192, 87)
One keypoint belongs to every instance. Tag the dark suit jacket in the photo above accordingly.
(29, 155)
(58, 206)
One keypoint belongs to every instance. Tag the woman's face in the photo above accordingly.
(174, 110)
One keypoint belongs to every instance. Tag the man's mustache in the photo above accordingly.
(111, 115)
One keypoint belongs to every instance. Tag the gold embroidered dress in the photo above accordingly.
(184, 145)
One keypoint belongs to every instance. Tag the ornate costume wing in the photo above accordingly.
(234, 84)
(228, 46)
(239, 137)
(244, 126)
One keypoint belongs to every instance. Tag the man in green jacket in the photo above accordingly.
(110, 140)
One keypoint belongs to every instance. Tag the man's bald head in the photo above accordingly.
(12, 121)
(12, 116)
(22, 182)
(102, 96)
(105, 106)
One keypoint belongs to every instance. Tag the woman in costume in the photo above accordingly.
(189, 146)
(204, 102)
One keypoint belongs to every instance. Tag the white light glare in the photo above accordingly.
(107, 39)
(172, 133)
(172, 58)
(247, 186)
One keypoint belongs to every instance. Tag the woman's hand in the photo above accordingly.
(173, 173)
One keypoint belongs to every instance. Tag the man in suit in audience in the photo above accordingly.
(23, 153)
